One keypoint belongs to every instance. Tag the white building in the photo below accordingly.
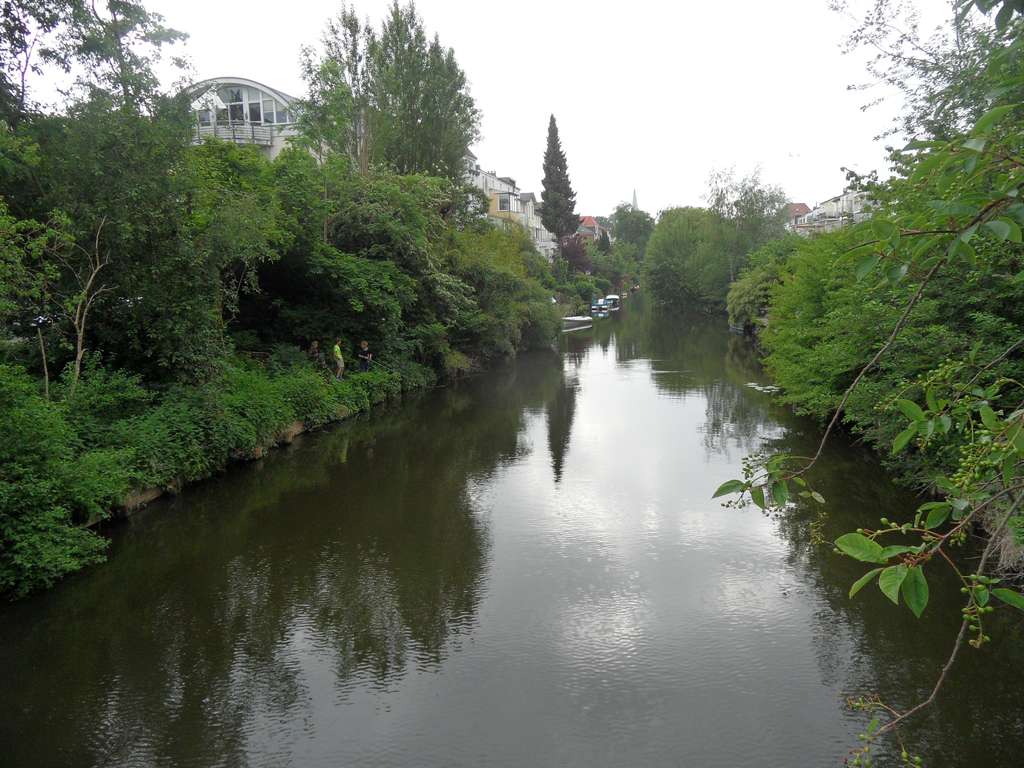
(243, 111)
(508, 205)
(835, 213)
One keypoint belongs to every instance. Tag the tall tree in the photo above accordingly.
(559, 211)
(423, 117)
(346, 43)
(631, 225)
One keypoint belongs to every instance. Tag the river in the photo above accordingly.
(524, 569)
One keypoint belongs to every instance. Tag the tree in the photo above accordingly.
(687, 260)
(117, 45)
(631, 225)
(559, 211)
(935, 74)
(346, 43)
(24, 27)
(948, 228)
(423, 117)
(756, 211)
(604, 244)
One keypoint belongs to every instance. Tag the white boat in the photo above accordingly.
(613, 302)
(576, 323)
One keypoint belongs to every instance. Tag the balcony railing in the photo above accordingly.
(239, 133)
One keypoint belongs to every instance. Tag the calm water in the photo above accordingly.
(523, 570)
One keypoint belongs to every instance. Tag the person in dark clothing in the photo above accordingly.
(365, 356)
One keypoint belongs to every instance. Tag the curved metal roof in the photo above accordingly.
(205, 85)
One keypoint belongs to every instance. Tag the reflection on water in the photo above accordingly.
(525, 569)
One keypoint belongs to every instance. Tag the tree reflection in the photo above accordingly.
(560, 411)
(360, 550)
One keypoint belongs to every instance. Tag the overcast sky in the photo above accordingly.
(648, 94)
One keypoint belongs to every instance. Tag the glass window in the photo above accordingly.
(268, 110)
(283, 115)
(237, 113)
(254, 112)
(503, 203)
(222, 116)
(204, 116)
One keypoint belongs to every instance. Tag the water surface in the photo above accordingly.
(525, 569)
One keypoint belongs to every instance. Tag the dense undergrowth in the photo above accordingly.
(73, 459)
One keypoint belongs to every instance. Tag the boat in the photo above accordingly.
(599, 308)
(576, 323)
(613, 302)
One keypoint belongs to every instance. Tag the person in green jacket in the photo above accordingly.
(339, 360)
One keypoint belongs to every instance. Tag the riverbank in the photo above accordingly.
(111, 446)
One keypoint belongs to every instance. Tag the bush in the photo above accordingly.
(47, 486)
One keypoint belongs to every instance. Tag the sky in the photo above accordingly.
(649, 95)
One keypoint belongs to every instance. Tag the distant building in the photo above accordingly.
(244, 112)
(793, 213)
(590, 228)
(507, 205)
(833, 214)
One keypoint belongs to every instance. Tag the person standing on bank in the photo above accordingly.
(339, 360)
(365, 356)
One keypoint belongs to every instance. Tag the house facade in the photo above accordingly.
(831, 215)
(590, 228)
(507, 205)
(244, 112)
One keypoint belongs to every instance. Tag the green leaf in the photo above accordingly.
(937, 515)
(896, 549)
(931, 400)
(975, 145)
(757, 495)
(866, 265)
(1015, 235)
(915, 591)
(993, 116)
(883, 229)
(1008, 596)
(729, 486)
(863, 581)
(860, 547)
(903, 438)
(998, 228)
(910, 409)
(896, 272)
(780, 493)
(946, 422)
(891, 580)
(817, 497)
(981, 596)
(989, 419)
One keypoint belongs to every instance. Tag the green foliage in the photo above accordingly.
(135, 262)
(686, 262)
(910, 330)
(633, 226)
(49, 486)
(748, 298)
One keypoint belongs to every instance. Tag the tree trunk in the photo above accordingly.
(46, 370)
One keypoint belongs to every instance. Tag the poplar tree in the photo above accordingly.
(559, 212)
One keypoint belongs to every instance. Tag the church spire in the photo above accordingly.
(634, 199)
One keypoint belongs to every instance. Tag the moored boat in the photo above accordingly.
(576, 323)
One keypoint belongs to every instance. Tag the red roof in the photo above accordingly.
(797, 209)
(588, 221)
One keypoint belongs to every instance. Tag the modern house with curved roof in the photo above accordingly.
(243, 111)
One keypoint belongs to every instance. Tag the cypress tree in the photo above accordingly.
(559, 212)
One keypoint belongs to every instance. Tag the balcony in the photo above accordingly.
(239, 133)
